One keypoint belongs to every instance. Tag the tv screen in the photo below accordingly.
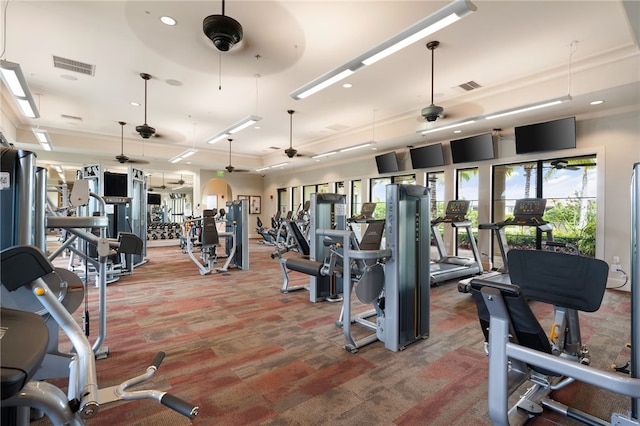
(115, 184)
(474, 148)
(155, 199)
(387, 163)
(548, 136)
(427, 156)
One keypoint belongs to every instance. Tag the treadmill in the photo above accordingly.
(448, 267)
(526, 212)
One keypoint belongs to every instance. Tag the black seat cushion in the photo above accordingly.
(24, 343)
(559, 279)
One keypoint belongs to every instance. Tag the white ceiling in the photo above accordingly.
(518, 51)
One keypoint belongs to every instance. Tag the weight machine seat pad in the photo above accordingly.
(130, 243)
(559, 279)
(301, 241)
(22, 264)
(24, 345)
(305, 266)
(525, 328)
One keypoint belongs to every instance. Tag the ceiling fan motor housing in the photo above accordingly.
(291, 152)
(223, 31)
(432, 112)
(145, 130)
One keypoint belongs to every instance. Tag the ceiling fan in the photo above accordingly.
(432, 112)
(230, 168)
(162, 187)
(222, 30)
(291, 151)
(122, 159)
(181, 182)
(145, 130)
(564, 164)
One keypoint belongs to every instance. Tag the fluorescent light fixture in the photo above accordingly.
(449, 126)
(421, 29)
(352, 148)
(58, 168)
(271, 167)
(326, 154)
(240, 125)
(14, 80)
(183, 155)
(43, 138)
(321, 82)
(531, 107)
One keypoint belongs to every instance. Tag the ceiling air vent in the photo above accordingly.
(469, 85)
(75, 66)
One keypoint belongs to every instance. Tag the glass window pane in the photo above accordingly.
(357, 195)
(404, 179)
(435, 183)
(569, 186)
(379, 196)
(467, 189)
(512, 182)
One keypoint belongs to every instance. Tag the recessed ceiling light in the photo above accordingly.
(457, 131)
(596, 102)
(134, 103)
(347, 85)
(167, 20)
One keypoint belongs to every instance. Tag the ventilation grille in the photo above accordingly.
(75, 66)
(469, 85)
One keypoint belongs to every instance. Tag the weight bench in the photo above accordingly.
(519, 349)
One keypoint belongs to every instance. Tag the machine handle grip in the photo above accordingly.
(157, 360)
(179, 405)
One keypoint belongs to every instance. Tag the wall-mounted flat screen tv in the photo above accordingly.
(427, 156)
(547, 136)
(115, 184)
(154, 199)
(474, 148)
(387, 163)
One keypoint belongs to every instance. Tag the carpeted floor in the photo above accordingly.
(248, 354)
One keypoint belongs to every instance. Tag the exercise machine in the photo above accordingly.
(24, 347)
(237, 235)
(526, 212)
(301, 246)
(394, 279)
(519, 349)
(203, 233)
(327, 211)
(448, 267)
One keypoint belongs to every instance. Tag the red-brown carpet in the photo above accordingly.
(248, 354)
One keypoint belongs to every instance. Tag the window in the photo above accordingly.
(569, 187)
(404, 179)
(357, 195)
(378, 191)
(435, 183)
(283, 200)
(467, 189)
